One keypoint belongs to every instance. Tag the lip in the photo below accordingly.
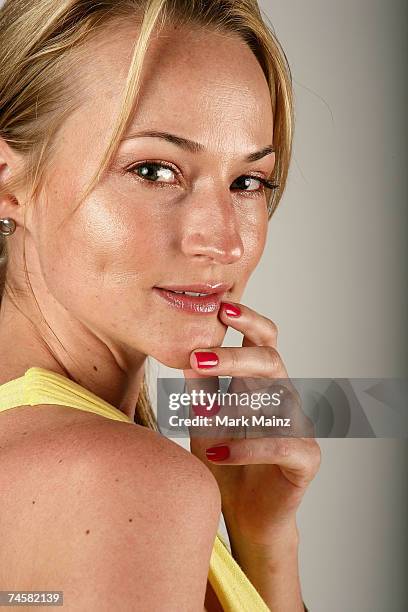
(207, 304)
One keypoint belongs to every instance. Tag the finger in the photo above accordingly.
(298, 458)
(204, 402)
(196, 382)
(203, 392)
(273, 407)
(257, 329)
(257, 361)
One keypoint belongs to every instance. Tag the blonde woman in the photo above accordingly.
(144, 146)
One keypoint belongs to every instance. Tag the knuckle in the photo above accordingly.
(292, 397)
(273, 360)
(316, 454)
(297, 400)
(273, 327)
(308, 427)
(312, 455)
(234, 358)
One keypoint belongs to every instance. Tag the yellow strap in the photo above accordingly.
(41, 386)
(233, 589)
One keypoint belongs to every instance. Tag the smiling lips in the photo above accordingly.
(194, 298)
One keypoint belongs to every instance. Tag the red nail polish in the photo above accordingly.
(231, 310)
(217, 453)
(205, 410)
(206, 359)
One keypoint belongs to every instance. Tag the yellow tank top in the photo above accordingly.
(40, 386)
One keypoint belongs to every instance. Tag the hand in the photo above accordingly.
(263, 479)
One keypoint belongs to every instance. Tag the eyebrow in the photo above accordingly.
(195, 147)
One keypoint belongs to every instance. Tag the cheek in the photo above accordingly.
(105, 254)
(253, 235)
(258, 241)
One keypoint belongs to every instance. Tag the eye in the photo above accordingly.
(154, 172)
(245, 183)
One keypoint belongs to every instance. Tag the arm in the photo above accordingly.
(273, 572)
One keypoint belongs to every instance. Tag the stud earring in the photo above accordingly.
(7, 226)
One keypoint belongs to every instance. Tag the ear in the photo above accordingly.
(10, 163)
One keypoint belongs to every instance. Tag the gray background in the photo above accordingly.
(334, 279)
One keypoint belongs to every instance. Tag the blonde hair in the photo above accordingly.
(39, 42)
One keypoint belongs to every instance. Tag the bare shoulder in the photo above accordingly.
(102, 502)
(61, 435)
(63, 439)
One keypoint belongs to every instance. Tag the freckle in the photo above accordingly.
(116, 479)
(87, 531)
(24, 433)
(95, 368)
(33, 502)
(60, 461)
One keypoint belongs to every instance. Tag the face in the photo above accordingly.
(163, 215)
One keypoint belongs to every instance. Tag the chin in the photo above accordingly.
(177, 355)
(178, 362)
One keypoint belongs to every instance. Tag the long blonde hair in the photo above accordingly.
(39, 42)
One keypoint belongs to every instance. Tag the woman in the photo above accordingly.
(143, 148)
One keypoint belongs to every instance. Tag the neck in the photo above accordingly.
(68, 348)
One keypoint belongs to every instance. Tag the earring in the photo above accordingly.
(7, 226)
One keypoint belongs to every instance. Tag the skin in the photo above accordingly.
(130, 235)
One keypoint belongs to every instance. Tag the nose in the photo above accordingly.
(211, 231)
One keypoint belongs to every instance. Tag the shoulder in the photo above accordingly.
(141, 454)
(114, 497)
(60, 436)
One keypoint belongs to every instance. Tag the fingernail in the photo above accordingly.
(206, 359)
(217, 453)
(231, 310)
(205, 410)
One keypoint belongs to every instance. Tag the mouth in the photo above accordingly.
(195, 298)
